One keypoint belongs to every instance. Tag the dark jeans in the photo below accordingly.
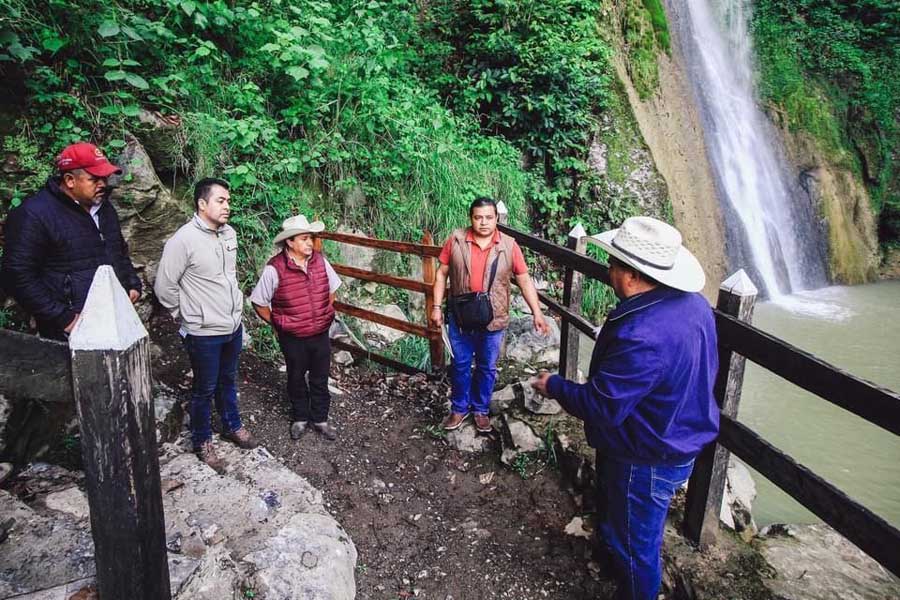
(214, 360)
(637, 501)
(308, 355)
(468, 391)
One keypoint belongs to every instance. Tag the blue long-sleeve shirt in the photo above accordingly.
(648, 398)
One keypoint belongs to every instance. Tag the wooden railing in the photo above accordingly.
(428, 252)
(738, 340)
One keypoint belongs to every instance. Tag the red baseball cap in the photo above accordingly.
(88, 157)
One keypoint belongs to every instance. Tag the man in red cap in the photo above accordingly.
(58, 237)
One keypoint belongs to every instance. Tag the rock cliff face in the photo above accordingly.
(671, 129)
(844, 204)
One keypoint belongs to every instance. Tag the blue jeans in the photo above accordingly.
(468, 392)
(637, 501)
(214, 360)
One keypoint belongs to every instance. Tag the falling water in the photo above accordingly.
(773, 230)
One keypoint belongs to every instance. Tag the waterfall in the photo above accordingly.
(773, 228)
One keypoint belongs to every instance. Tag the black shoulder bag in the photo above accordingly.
(473, 311)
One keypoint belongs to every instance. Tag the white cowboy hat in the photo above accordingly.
(655, 249)
(295, 226)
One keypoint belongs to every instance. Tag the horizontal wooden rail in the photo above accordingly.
(361, 240)
(34, 368)
(874, 536)
(560, 254)
(578, 321)
(383, 360)
(368, 315)
(858, 396)
(400, 282)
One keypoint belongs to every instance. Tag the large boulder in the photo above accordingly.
(382, 335)
(148, 211)
(816, 562)
(258, 526)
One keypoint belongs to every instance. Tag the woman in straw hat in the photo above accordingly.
(295, 295)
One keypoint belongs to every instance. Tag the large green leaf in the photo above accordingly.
(108, 29)
(137, 81)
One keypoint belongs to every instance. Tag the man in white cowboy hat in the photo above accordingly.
(648, 405)
(295, 294)
(197, 281)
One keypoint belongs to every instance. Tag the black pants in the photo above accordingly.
(312, 356)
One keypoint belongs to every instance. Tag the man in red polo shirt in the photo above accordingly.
(480, 259)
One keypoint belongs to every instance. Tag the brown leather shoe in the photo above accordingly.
(241, 438)
(454, 420)
(207, 454)
(483, 423)
(326, 430)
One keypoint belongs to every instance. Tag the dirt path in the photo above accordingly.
(427, 521)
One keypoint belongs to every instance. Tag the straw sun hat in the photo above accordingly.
(655, 249)
(297, 225)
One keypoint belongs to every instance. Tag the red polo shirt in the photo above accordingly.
(479, 258)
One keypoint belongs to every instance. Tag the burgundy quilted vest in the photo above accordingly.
(300, 305)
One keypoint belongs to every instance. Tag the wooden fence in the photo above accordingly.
(428, 252)
(738, 340)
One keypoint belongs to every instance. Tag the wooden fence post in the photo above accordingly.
(435, 339)
(569, 337)
(110, 353)
(737, 296)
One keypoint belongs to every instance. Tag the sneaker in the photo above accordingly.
(297, 429)
(454, 420)
(241, 438)
(483, 423)
(326, 430)
(207, 454)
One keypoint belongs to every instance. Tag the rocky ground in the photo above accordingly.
(427, 521)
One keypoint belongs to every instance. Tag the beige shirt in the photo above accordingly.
(197, 279)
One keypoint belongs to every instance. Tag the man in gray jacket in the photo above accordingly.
(197, 283)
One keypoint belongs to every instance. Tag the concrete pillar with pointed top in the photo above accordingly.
(502, 213)
(737, 297)
(110, 356)
(573, 281)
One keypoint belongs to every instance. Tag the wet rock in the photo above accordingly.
(816, 562)
(466, 439)
(168, 411)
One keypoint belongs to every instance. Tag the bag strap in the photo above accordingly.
(493, 273)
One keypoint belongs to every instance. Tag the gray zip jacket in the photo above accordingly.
(197, 279)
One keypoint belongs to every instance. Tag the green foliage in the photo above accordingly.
(827, 66)
(645, 31)
(299, 104)
(411, 350)
(534, 72)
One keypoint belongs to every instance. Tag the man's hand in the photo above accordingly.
(133, 295)
(540, 324)
(71, 325)
(540, 384)
(437, 316)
